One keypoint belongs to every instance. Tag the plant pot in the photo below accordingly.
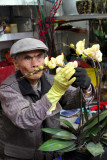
(103, 157)
(84, 7)
(69, 7)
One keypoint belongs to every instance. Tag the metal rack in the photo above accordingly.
(81, 17)
(19, 2)
(15, 36)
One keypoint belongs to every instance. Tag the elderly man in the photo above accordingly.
(25, 104)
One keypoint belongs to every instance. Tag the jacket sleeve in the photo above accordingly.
(21, 112)
(73, 98)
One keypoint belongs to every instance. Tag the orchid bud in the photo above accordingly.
(41, 67)
(72, 45)
(36, 69)
(31, 74)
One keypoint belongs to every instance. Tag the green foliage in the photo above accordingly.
(70, 148)
(65, 135)
(99, 34)
(52, 130)
(68, 124)
(54, 145)
(95, 121)
(90, 137)
(95, 149)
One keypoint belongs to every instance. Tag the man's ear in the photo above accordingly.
(15, 63)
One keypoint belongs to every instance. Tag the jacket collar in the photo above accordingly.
(26, 88)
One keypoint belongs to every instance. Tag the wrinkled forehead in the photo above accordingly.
(31, 53)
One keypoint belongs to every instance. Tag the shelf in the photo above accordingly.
(81, 17)
(15, 36)
(19, 2)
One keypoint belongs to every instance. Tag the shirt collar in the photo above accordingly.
(27, 89)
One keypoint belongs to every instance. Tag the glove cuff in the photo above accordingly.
(53, 97)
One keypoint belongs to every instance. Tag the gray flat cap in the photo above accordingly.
(27, 44)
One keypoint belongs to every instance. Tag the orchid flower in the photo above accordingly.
(73, 64)
(80, 47)
(52, 63)
(58, 61)
(46, 61)
(94, 52)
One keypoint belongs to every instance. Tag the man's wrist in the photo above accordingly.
(87, 92)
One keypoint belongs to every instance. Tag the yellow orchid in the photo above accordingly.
(80, 47)
(60, 57)
(52, 63)
(53, 60)
(94, 52)
(60, 60)
(46, 61)
(99, 56)
(73, 64)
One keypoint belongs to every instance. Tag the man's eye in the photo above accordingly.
(27, 57)
(40, 55)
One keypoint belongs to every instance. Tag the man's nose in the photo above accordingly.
(35, 62)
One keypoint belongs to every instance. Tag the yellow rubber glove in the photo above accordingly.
(61, 83)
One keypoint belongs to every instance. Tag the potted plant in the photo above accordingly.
(91, 136)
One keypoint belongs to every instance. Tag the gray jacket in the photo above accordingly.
(25, 113)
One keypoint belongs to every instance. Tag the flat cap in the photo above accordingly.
(27, 44)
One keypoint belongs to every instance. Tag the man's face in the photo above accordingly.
(27, 61)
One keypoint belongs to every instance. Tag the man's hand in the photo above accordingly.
(62, 81)
(82, 78)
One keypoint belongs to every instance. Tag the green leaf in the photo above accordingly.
(94, 130)
(52, 130)
(102, 35)
(65, 135)
(54, 145)
(68, 124)
(72, 147)
(96, 32)
(99, 34)
(95, 121)
(95, 149)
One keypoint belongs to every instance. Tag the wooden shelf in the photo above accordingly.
(81, 17)
(15, 36)
(19, 2)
